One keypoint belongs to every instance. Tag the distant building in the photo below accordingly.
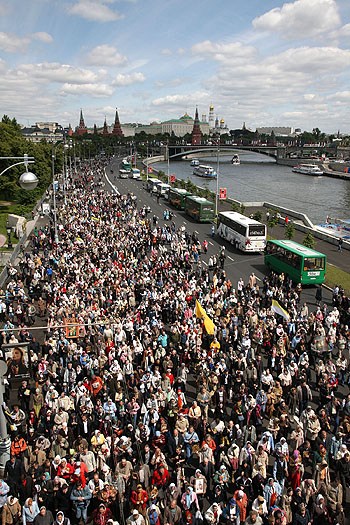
(36, 134)
(183, 126)
(81, 129)
(117, 130)
(277, 130)
(196, 131)
(150, 129)
(211, 117)
(51, 126)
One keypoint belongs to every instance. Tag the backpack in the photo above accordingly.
(153, 517)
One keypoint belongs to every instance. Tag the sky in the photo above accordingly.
(265, 63)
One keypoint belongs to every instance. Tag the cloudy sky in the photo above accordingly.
(263, 62)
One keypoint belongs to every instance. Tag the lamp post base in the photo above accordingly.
(5, 448)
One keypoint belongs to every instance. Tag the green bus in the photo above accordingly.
(302, 264)
(177, 197)
(199, 208)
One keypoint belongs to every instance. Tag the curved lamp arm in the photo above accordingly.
(26, 162)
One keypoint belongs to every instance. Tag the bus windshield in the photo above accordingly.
(314, 263)
(257, 230)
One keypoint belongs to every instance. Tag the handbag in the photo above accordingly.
(195, 448)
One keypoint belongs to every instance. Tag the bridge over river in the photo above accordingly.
(178, 151)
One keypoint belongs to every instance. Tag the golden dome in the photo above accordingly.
(211, 108)
(222, 121)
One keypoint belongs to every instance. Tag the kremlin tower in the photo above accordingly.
(211, 116)
(117, 130)
(196, 132)
(81, 129)
(105, 128)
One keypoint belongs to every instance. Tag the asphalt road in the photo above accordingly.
(237, 263)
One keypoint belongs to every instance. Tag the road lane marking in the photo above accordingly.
(211, 244)
(258, 278)
(204, 263)
(230, 258)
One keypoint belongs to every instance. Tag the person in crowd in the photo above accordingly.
(139, 407)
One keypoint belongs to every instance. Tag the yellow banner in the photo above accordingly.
(208, 323)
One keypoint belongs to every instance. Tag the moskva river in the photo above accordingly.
(259, 179)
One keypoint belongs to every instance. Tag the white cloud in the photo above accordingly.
(93, 90)
(95, 11)
(11, 43)
(128, 79)
(56, 72)
(166, 51)
(300, 19)
(182, 100)
(342, 32)
(105, 55)
(180, 51)
(42, 36)
(223, 51)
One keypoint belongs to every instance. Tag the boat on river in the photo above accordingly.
(308, 169)
(194, 162)
(204, 171)
(235, 160)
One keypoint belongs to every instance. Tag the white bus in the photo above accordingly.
(244, 233)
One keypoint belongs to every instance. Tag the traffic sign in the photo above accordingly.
(172, 177)
(222, 193)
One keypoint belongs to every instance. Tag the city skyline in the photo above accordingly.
(280, 63)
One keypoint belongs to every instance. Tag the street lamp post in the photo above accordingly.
(54, 192)
(27, 181)
(217, 180)
(9, 229)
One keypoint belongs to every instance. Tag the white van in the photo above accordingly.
(123, 174)
(135, 174)
(163, 189)
(152, 184)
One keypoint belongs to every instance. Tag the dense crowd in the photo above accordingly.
(134, 413)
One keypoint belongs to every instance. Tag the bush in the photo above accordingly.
(309, 241)
(289, 231)
(258, 215)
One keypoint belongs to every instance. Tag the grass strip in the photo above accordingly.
(335, 276)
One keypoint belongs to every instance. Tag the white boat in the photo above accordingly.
(204, 171)
(308, 169)
(235, 160)
(194, 162)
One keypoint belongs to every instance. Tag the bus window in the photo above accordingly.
(257, 230)
(313, 263)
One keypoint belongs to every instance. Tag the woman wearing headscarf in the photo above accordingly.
(44, 517)
(189, 501)
(30, 511)
(61, 519)
(319, 512)
(101, 515)
(11, 511)
(294, 469)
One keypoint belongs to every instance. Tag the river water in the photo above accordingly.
(259, 179)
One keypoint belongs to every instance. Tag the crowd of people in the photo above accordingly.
(130, 409)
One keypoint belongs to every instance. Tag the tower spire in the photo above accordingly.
(117, 130)
(81, 129)
(105, 127)
(196, 132)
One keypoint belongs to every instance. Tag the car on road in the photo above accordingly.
(123, 174)
(135, 174)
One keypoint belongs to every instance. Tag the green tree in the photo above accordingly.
(289, 231)
(242, 209)
(309, 241)
(258, 215)
(272, 222)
